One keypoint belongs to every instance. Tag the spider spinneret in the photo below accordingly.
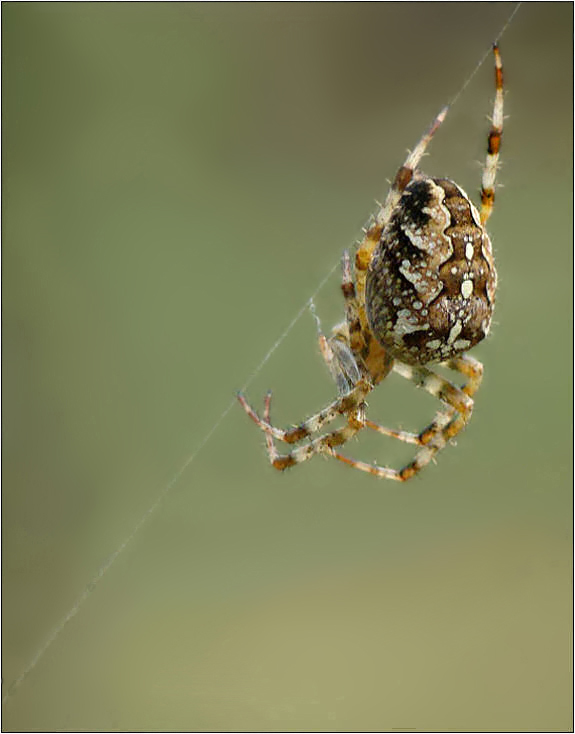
(422, 292)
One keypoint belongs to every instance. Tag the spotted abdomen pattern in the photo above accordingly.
(431, 281)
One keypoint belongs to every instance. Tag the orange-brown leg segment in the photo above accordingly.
(493, 143)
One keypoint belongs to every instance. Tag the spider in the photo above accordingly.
(422, 292)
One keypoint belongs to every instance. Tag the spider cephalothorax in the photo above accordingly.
(422, 292)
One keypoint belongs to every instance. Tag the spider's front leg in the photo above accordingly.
(321, 445)
(347, 404)
(342, 405)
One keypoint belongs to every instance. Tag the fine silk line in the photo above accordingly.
(485, 55)
(105, 567)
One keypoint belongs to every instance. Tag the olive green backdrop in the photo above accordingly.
(178, 178)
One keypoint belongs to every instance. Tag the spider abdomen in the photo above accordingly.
(431, 281)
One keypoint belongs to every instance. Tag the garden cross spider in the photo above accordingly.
(422, 292)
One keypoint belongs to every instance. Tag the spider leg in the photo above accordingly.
(493, 143)
(352, 310)
(345, 404)
(270, 446)
(406, 171)
(321, 444)
(473, 370)
(405, 436)
(382, 472)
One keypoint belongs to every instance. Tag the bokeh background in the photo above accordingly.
(178, 178)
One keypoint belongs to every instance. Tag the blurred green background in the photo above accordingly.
(178, 178)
